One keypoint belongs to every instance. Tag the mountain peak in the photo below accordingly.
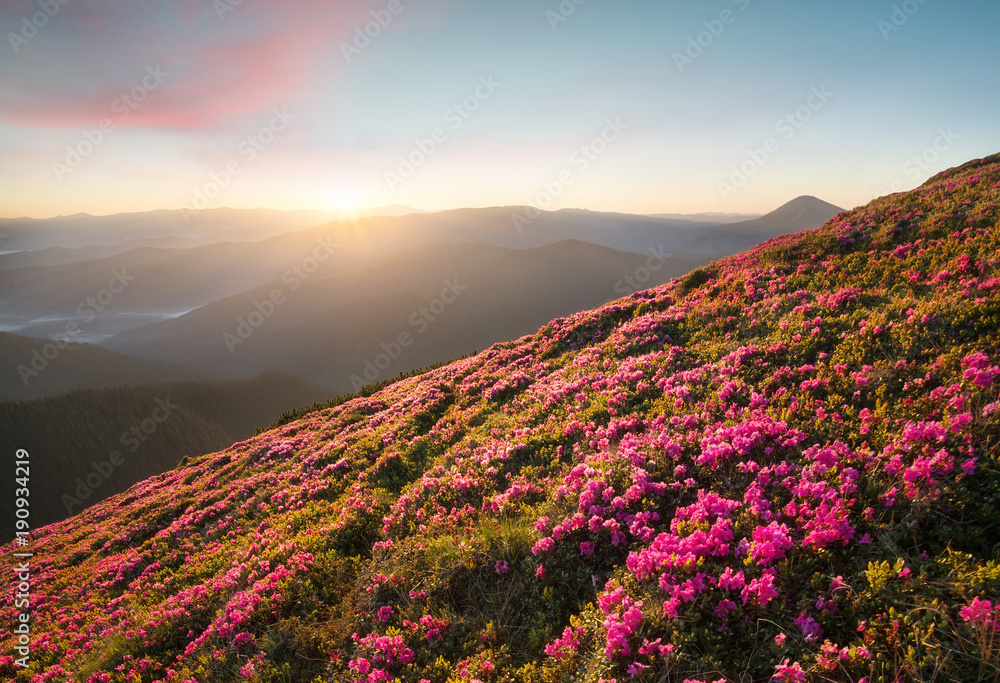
(807, 203)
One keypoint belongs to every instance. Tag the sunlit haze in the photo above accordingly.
(642, 106)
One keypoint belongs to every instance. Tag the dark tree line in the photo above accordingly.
(88, 444)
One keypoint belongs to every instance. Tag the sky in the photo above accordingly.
(638, 106)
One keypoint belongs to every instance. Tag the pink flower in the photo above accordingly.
(361, 665)
(724, 609)
(789, 673)
(655, 648)
(242, 639)
(811, 630)
(981, 613)
(544, 545)
(762, 589)
(568, 642)
(636, 669)
(770, 543)
(730, 581)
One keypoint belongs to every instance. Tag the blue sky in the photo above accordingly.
(633, 106)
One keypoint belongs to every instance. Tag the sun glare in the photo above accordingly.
(344, 197)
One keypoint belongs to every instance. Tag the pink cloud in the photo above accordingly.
(259, 55)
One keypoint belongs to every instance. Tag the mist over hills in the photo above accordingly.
(71, 238)
(713, 217)
(360, 301)
(333, 307)
(158, 283)
(84, 230)
(331, 326)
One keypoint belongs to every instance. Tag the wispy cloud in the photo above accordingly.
(225, 60)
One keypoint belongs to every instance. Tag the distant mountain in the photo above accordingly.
(199, 336)
(333, 327)
(40, 367)
(799, 214)
(84, 230)
(56, 256)
(388, 210)
(176, 303)
(520, 227)
(152, 283)
(64, 239)
(710, 217)
(166, 282)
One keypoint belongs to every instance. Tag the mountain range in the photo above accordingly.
(163, 302)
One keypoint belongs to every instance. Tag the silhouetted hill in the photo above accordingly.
(330, 328)
(81, 237)
(156, 282)
(105, 440)
(166, 282)
(40, 367)
(801, 213)
(711, 217)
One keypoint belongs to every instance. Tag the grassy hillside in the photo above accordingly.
(782, 466)
(89, 444)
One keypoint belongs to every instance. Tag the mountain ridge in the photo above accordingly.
(801, 213)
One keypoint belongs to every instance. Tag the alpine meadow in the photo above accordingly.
(781, 466)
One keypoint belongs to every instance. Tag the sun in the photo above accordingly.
(344, 197)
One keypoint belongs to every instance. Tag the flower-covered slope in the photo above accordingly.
(780, 467)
